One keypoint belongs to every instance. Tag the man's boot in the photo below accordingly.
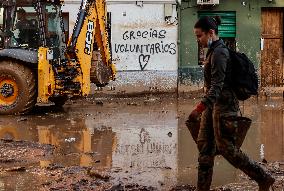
(257, 173)
(204, 177)
(250, 168)
(266, 184)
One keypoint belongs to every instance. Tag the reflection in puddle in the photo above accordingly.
(143, 143)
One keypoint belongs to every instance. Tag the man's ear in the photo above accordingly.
(211, 32)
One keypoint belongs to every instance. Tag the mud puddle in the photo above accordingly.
(126, 144)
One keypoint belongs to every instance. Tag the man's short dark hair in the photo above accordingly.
(22, 11)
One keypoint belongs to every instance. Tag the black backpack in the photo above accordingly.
(244, 77)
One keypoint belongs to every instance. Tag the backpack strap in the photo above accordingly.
(229, 50)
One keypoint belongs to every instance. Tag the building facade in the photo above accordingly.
(144, 45)
(154, 47)
(254, 27)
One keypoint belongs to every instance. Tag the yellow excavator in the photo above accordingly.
(36, 63)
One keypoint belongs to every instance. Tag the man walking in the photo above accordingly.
(219, 102)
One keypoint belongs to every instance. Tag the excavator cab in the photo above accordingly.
(37, 65)
(32, 24)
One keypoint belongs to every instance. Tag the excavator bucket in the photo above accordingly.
(100, 72)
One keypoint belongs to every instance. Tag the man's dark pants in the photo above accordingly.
(214, 136)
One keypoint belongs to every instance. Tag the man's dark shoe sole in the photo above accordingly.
(264, 186)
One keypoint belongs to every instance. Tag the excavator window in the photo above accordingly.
(54, 28)
(25, 28)
(53, 25)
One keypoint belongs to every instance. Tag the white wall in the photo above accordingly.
(71, 7)
(141, 38)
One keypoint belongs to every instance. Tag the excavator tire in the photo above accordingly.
(17, 88)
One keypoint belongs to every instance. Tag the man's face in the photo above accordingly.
(202, 37)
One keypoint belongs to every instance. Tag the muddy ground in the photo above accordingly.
(127, 144)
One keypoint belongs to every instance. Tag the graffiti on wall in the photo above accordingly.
(146, 44)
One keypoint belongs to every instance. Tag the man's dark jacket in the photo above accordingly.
(217, 72)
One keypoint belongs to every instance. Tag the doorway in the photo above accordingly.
(272, 47)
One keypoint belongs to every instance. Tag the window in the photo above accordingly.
(25, 28)
(65, 16)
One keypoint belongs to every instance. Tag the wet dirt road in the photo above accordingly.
(139, 141)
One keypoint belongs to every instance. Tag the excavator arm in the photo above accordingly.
(72, 75)
(90, 29)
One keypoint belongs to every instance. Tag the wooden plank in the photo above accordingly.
(271, 36)
(271, 21)
(271, 64)
(272, 54)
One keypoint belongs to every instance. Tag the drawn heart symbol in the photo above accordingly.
(143, 61)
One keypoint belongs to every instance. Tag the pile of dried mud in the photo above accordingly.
(22, 153)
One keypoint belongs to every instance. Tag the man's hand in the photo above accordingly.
(196, 113)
